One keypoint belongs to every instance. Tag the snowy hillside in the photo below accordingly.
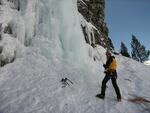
(32, 85)
(47, 44)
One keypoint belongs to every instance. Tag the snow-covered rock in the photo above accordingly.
(147, 62)
(12, 31)
(9, 47)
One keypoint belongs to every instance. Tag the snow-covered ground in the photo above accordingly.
(55, 49)
(147, 62)
(33, 85)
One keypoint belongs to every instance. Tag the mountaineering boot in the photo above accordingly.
(119, 99)
(100, 96)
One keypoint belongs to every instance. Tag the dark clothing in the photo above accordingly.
(108, 76)
(108, 62)
(114, 82)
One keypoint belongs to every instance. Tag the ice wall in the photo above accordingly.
(53, 26)
(12, 31)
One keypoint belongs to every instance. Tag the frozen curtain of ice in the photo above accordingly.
(53, 26)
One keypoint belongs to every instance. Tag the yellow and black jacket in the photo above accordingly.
(111, 65)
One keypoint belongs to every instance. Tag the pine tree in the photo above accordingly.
(139, 53)
(110, 44)
(124, 50)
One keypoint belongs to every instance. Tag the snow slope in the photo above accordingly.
(55, 49)
(32, 85)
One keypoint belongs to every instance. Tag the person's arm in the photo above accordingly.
(108, 63)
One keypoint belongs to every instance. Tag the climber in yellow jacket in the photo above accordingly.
(110, 71)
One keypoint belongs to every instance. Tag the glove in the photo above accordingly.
(106, 72)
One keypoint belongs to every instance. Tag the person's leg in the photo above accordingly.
(114, 82)
(104, 82)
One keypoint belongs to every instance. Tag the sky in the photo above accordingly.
(127, 17)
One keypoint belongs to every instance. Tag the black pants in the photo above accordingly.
(114, 82)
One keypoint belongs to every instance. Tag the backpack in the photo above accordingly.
(113, 65)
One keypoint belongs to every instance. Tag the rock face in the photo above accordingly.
(93, 12)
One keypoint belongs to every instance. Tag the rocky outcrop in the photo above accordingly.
(93, 12)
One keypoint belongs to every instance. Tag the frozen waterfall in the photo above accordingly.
(53, 26)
